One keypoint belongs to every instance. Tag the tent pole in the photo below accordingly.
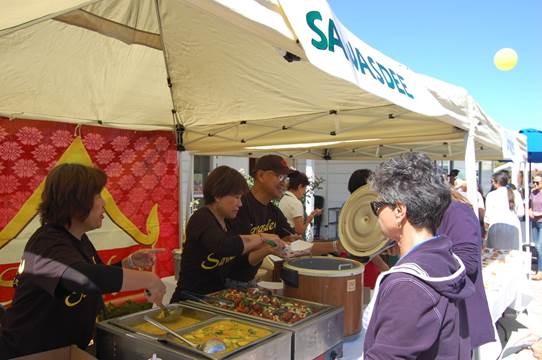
(470, 162)
(526, 177)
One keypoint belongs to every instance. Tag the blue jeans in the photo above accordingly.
(537, 238)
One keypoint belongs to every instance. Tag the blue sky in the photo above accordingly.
(455, 41)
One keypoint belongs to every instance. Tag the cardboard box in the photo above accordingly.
(64, 353)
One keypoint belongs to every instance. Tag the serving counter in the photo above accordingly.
(317, 335)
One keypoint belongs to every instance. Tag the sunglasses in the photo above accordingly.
(536, 182)
(376, 206)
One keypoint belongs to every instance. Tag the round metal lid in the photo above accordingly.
(324, 266)
(359, 232)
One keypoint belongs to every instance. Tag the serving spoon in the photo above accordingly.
(211, 346)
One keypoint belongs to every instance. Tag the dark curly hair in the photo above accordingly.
(297, 179)
(413, 179)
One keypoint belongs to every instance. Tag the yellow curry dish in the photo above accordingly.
(181, 323)
(233, 334)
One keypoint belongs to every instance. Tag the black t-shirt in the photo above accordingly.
(40, 319)
(253, 218)
(207, 254)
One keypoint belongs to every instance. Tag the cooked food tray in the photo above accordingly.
(124, 338)
(260, 305)
(190, 316)
(316, 331)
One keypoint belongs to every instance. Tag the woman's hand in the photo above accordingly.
(143, 259)
(273, 241)
(316, 212)
(156, 290)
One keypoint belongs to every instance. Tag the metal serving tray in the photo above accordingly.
(128, 322)
(316, 308)
(316, 335)
(114, 342)
(209, 322)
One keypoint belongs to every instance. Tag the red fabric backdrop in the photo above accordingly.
(141, 167)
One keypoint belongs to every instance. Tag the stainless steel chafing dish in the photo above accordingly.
(319, 334)
(122, 339)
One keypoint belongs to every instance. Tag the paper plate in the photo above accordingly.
(359, 232)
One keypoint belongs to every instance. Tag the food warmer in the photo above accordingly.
(329, 280)
(131, 337)
(318, 334)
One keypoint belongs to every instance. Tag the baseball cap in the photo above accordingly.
(272, 162)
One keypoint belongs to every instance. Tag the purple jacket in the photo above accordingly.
(461, 226)
(422, 316)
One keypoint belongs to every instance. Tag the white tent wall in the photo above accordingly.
(236, 162)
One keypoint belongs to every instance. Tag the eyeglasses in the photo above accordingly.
(536, 182)
(282, 177)
(376, 206)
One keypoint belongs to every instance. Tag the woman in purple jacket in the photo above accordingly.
(461, 226)
(418, 311)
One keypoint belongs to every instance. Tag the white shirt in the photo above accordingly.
(479, 199)
(498, 208)
(291, 207)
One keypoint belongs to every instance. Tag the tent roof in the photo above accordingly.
(223, 73)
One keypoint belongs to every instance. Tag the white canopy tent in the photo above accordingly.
(232, 77)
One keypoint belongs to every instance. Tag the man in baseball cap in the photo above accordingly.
(259, 215)
(274, 163)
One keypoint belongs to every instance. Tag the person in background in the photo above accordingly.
(535, 214)
(210, 247)
(419, 308)
(374, 266)
(501, 219)
(461, 188)
(453, 176)
(61, 278)
(461, 226)
(292, 207)
(520, 180)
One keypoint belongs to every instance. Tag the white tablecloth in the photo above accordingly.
(505, 280)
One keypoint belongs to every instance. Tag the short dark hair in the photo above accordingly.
(413, 179)
(297, 178)
(501, 177)
(223, 181)
(358, 178)
(69, 192)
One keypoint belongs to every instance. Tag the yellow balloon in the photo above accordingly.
(505, 59)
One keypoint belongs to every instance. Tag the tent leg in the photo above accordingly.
(470, 167)
(179, 132)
